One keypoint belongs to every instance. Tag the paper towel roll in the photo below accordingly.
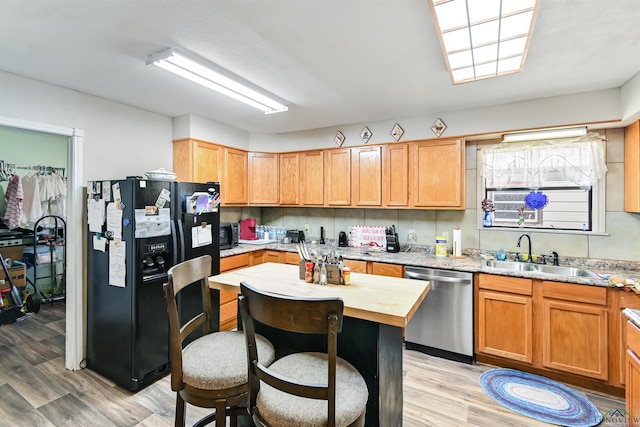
(457, 242)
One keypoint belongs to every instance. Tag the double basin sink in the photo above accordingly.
(555, 270)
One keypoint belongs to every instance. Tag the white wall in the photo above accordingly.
(119, 140)
(192, 126)
(630, 99)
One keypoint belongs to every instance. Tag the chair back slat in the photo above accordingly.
(305, 315)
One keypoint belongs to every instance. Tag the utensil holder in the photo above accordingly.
(334, 275)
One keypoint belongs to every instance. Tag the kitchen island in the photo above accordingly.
(376, 308)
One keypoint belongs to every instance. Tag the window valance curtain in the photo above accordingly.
(533, 163)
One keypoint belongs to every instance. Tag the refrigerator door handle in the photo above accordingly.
(174, 238)
(182, 241)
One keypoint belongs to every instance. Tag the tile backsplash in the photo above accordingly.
(621, 241)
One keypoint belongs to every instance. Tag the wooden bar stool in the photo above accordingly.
(210, 371)
(300, 389)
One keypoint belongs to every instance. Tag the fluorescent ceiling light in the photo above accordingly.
(183, 66)
(484, 38)
(545, 134)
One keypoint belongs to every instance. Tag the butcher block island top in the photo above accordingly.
(381, 299)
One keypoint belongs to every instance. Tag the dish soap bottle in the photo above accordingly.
(501, 255)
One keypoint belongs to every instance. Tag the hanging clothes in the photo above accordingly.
(31, 206)
(14, 196)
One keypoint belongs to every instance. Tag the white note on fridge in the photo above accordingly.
(201, 236)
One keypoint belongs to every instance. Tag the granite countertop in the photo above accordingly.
(422, 256)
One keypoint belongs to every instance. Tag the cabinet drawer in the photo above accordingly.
(228, 311)
(575, 293)
(392, 270)
(633, 338)
(512, 285)
(233, 262)
(226, 296)
(356, 266)
(291, 258)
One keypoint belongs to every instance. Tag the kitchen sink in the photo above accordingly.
(511, 265)
(542, 268)
(565, 271)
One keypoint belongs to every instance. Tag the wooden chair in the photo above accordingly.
(210, 371)
(301, 389)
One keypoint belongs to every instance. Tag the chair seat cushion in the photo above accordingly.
(219, 360)
(286, 410)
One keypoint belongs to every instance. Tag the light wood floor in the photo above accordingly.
(36, 389)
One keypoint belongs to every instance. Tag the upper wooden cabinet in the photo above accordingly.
(427, 174)
(289, 179)
(366, 176)
(312, 178)
(632, 167)
(396, 173)
(439, 174)
(338, 177)
(234, 184)
(263, 178)
(197, 161)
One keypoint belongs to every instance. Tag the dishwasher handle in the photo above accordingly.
(420, 276)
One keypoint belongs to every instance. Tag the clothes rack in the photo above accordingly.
(6, 169)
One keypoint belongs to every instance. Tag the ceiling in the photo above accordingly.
(332, 62)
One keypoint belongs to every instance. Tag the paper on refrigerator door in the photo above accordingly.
(114, 220)
(152, 222)
(117, 263)
(95, 215)
(201, 236)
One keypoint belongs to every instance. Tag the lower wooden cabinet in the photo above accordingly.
(505, 319)
(575, 329)
(632, 396)
(273, 256)
(548, 326)
(229, 300)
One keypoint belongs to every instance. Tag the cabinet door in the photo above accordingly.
(312, 178)
(575, 338)
(396, 175)
(366, 175)
(439, 174)
(208, 162)
(263, 178)
(632, 167)
(197, 161)
(234, 185)
(505, 325)
(338, 177)
(632, 390)
(289, 179)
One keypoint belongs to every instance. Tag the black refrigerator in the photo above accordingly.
(138, 229)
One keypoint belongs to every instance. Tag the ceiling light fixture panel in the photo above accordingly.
(484, 38)
(542, 134)
(181, 65)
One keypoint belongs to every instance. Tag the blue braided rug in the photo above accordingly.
(539, 398)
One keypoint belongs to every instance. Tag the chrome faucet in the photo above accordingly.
(530, 259)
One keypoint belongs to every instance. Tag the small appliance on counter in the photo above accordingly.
(248, 229)
(393, 244)
(296, 236)
(229, 235)
(342, 240)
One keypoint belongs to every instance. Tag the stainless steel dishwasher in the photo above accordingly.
(443, 324)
